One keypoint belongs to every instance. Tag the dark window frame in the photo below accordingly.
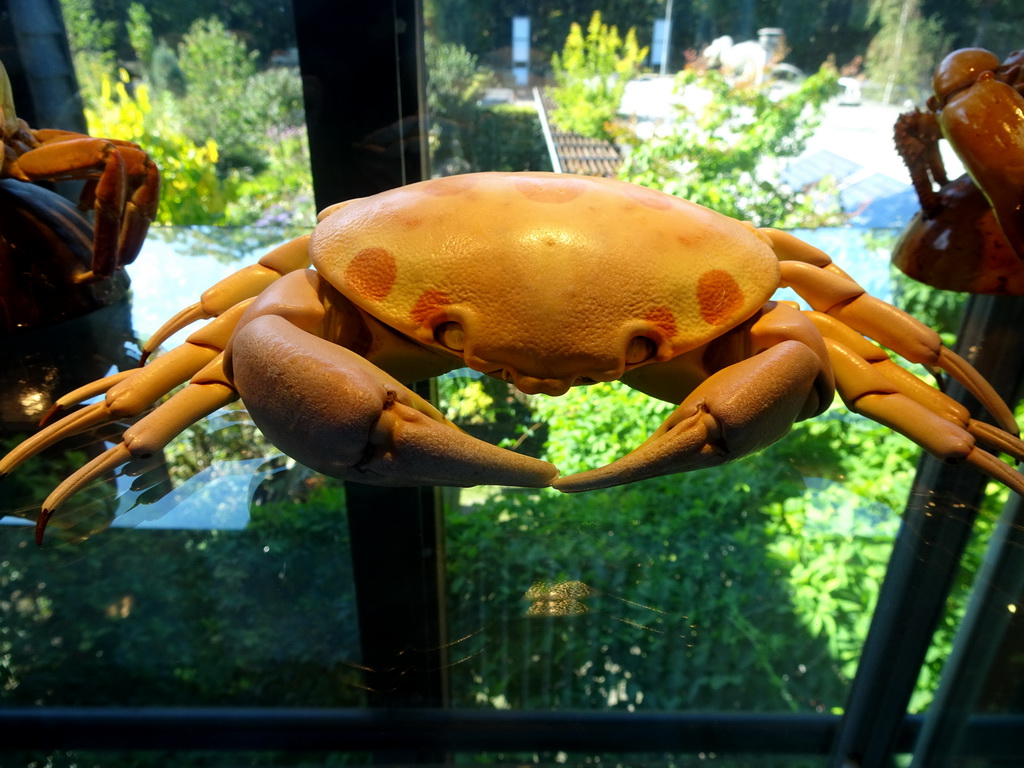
(364, 78)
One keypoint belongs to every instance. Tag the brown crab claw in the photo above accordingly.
(339, 414)
(407, 447)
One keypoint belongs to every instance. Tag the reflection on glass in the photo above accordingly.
(226, 575)
(215, 573)
(770, 569)
(564, 598)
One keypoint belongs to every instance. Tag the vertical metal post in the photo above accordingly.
(364, 88)
(666, 41)
(34, 49)
(364, 91)
(926, 554)
(983, 634)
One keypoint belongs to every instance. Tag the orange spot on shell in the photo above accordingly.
(448, 185)
(430, 302)
(663, 319)
(718, 296)
(372, 273)
(551, 191)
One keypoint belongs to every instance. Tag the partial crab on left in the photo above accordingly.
(122, 183)
(546, 281)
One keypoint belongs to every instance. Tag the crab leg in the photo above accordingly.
(339, 413)
(832, 292)
(141, 197)
(208, 391)
(140, 207)
(243, 284)
(353, 421)
(128, 394)
(76, 158)
(736, 411)
(867, 391)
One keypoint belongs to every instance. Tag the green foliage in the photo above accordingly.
(85, 31)
(834, 538)
(723, 151)
(465, 136)
(456, 81)
(164, 72)
(689, 608)
(482, 25)
(92, 513)
(282, 193)
(90, 40)
(191, 192)
(591, 75)
(508, 137)
(217, 67)
(904, 51)
(745, 586)
(259, 617)
(229, 140)
(140, 33)
(587, 428)
(934, 307)
(257, 120)
(469, 402)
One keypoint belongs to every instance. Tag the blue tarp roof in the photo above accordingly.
(875, 200)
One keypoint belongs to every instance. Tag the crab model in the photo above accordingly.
(122, 183)
(969, 234)
(546, 281)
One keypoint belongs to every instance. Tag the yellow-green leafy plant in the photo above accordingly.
(724, 148)
(190, 190)
(591, 75)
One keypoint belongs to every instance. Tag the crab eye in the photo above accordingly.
(639, 350)
(451, 336)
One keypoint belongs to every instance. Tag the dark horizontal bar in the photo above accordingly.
(459, 731)
(358, 730)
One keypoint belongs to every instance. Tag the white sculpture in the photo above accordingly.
(743, 61)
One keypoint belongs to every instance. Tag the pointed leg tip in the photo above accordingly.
(50, 412)
(44, 518)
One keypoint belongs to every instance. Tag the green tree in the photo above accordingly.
(217, 66)
(466, 135)
(455, 83)
(484, 26)
(91, 41)
(591, 75)
(723, 151)
(904, 51)
(229, 139)
(140, 33)
(191, 191)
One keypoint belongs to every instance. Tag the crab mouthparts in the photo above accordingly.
(532, 385)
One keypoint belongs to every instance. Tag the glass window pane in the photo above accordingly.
(750, 586)
(225, 574)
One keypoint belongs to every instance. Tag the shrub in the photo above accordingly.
(591, 75)
(722, 151)
(191, 192)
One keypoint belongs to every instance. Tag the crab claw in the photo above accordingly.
(737, 411)
(349, 419)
